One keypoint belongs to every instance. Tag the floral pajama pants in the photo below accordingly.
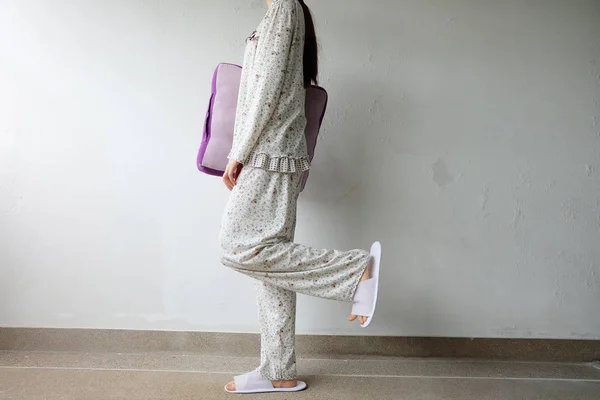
(256, 239)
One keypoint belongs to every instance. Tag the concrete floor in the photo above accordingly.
(95, 376)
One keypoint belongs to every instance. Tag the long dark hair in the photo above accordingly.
(311, 51)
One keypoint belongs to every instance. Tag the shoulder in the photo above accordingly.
(284, 7)
(281, 13)
(288, 4)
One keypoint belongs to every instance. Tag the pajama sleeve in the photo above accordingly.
(265, 81)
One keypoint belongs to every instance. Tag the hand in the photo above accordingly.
(232, 172)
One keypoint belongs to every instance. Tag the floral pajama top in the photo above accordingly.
(270, 118)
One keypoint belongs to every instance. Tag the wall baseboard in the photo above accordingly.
(242, 344)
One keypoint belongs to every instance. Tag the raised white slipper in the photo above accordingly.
(253, 382)
(365, 298)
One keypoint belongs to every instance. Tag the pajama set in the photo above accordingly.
(257, 231)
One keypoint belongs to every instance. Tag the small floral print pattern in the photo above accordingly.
(270, 119)
(257, 239)
(277, 319)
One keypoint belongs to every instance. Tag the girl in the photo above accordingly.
(266, 163)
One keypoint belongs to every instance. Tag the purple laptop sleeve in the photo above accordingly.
(217, 137)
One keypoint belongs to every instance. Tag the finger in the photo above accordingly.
(227, 182)
(232, 176)
(352, 317)
(238, 171)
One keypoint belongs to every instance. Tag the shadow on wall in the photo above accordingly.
(365, 121)
(356, 126)
(366, 128)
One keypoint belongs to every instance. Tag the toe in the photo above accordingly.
(231, 386)
(352, 317)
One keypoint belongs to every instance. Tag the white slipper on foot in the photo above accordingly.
(365, 298)
(253, 382)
